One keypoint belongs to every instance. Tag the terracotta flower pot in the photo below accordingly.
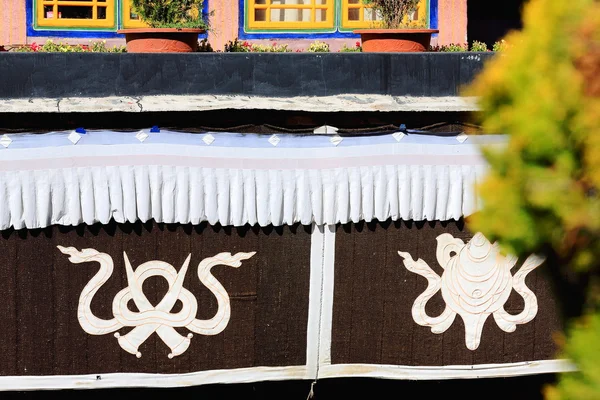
(395, 40)
(161, 40)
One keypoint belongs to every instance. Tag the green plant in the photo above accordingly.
(318, 47)
(392, 12)
(500, 45)
(171, 13)
(204, 46)
(100, 47)
(59, 47)
(452, 47)
(234, 46)
(478, 46)
(356, 49)
(272, 48)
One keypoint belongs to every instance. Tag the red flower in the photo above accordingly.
(358, 44)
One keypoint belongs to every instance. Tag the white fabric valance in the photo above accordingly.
(236, 180)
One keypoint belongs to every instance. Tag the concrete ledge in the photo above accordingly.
(274, 75)
(340, 103)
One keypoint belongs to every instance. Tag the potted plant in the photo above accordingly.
(395, 35)
(173, 26)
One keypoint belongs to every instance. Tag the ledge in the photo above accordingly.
(267, 75)
(340, 103)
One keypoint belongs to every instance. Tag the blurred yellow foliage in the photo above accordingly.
(544, 93)
(541, 194)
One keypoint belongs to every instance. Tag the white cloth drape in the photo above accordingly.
(239, 179)
(71, 196)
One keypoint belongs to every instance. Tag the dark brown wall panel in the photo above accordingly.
(40, 289)
(374, 294)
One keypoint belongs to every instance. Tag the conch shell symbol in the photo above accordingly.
(151, 318)
(476, 283)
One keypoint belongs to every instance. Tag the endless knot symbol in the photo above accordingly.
(149, 318)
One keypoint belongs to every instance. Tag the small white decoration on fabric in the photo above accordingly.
(476, 282)
(141, 136)
(274, 140)
(399, 136)
(149, 318)
(74, 137)
(337, 139)
(462, 137)
(5, 141)
(208, 139)
(326, 129)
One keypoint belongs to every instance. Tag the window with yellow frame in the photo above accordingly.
(66, 14)
(75, 13)
(290, 14)
(293, 15)
(355, 14)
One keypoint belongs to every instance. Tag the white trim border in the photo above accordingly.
(446, 371)
(138, 380)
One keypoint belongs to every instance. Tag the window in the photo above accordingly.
(355, 14)
(290, 14)
(85, 14)
(76, 13)
(319, 15)
(130, 18)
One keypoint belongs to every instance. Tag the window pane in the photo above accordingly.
(290, 15)
(371, 15)
(321, 15)
(260, 14)
(75, 12)
(101, 13)
(354, 14)
(48, 12)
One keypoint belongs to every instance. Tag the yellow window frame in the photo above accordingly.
(128, 22)
(312, 24)
(361, 23)
(94, 22)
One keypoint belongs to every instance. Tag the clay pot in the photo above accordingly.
(395, 40)
(161, 40)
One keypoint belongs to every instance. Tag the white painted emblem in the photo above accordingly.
(476, 282)
(151, 318)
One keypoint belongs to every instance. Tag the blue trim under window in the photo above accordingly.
(242, 34)
(100, 33)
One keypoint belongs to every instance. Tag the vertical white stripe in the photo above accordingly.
(314, 300)
(327, 295)
(320, 304)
